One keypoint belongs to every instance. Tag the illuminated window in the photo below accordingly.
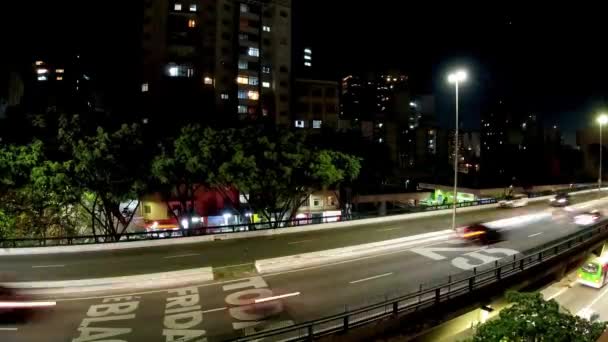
(307, 51)
(193, 8)
(208, 80)
(316, 123)
(308, 64)
(42, 78)
(266, 69)
(253, 52)
(59, 71)
(307, 57)
(177, 7)
(191, 23)
(244, 8)
(59, 78)
(299, 123)
(243, 65)
(224, 96)
(242, 80)
(39, 62)
(179, 71)
(253, 80)
(266, 84)
(242, 94)
(266, 28)
(253, 95)
(144, 87)
(41, 71)
(242, 109)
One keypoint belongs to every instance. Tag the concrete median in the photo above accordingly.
(126, 283)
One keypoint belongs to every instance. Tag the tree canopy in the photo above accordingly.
(531, 318)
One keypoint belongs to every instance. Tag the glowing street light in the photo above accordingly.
(602, 119)
(456, 78)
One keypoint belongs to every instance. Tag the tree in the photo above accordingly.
(276, 171)
(531, 318)
(108, 166)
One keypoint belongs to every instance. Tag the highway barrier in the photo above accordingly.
(157, 238)
(430, 295)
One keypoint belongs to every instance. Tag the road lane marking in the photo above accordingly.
(229, 266)
(533, 235)
(302, 241)
(387, 229)
(181, 256)
(371, 278)
(597, 298)
(9, 329)
(16, 305)
(268, 299)
(214, 310)
(47, 266)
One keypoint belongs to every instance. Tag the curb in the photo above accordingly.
(132, 283)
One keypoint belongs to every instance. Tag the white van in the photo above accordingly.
(519, 200)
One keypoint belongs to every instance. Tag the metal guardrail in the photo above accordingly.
(428, 296)
(167, 234)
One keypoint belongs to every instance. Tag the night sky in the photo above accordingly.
(548, 60)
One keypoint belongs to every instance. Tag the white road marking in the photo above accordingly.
(268, 299)
(14, 305)
(9, 329)
(181, 256)
(229, 266)
(387, 229)
(302, 241)
(47, 266)
(533, 235)
(598, 298)
(371, 278)
(214, 310)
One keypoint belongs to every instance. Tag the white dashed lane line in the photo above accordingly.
(47, 266)
(387, 229)
(371, 278)
(9, 329)
(180, 256)
(533, 235)
(297, 242)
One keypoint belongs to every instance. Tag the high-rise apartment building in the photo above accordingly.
(210, 59)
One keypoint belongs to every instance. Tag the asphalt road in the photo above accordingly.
(221, 310)
(575, 297)
(224, 255)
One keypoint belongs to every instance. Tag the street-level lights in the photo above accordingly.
(601, 120)
(456, 78)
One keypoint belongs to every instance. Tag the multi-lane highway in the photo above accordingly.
(222, 309)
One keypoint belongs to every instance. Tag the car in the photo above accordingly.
(587, 218)
(560, 200)
(519, 200)
(481, 233)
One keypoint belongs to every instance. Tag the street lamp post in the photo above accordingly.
(601, 120)
(456, 78)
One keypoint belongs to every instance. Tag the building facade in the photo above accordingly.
(316, 104)
(218, 59)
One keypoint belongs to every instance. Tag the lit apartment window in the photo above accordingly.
(308, 51)
(179, 71)
(224, 96)
(266, 28)
(266, 84)
(242, 94)
(242, 80)
(243, 65)
(253, 80)
(59, 71)
(299, 123)
(177, 7)
(59, 78)
(253, 52)
(144, 87)
(307, 57)
(242, 109)
(41, 71)
(244, 8)
(191, 23)
(208, 80)
(253, 95)
(308, 64)
(193, 8)
(316, 123)
(266, 69)
(39, 62)
(42, 78)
